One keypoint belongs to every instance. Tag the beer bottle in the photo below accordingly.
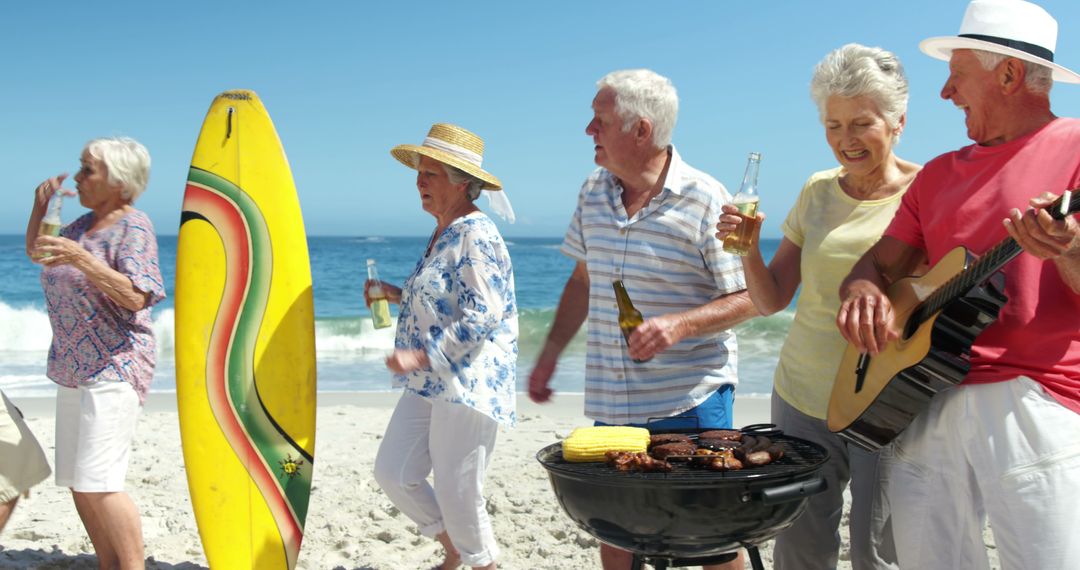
(629, 317)
(746, 200)
(380, 307)
(51, 223)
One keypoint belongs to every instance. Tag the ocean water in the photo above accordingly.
(349, 351)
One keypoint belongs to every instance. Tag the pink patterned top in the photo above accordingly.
(95, 339)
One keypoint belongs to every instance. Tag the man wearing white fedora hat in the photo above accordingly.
(645, 218)
(1004, 445)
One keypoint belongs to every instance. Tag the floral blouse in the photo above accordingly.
(95, 339)
(459, 307)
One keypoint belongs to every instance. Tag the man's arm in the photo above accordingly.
(572, 311)
(1068, 265)
(658, 334)
(866, 316)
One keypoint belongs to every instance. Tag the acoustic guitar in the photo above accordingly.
(941, 313)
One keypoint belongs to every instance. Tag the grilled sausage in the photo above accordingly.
(752, 451)
(758, 458)
(761, 443)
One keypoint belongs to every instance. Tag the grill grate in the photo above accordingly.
(799, 457)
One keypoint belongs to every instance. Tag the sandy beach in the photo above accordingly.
(351, 525)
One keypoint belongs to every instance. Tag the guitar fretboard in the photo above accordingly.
(984, 267)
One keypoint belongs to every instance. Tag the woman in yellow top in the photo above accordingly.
(861, 94)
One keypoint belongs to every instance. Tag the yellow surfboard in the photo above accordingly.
(245, 342)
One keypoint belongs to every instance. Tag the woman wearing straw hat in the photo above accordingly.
(455, 352)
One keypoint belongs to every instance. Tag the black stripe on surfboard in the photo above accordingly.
(187, 216)
(280, 430)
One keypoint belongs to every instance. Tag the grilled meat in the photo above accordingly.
(636, 461)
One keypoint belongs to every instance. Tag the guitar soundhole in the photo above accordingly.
(909, 330)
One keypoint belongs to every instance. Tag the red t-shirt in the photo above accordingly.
(960, 199)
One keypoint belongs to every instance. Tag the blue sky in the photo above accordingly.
(345, 81)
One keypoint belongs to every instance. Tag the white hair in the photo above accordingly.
(457, 176)
(127, 163)
(644, 94)
(856, 70)
(1038, 78)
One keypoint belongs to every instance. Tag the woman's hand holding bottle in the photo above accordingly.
(729, 222)
(389, 292)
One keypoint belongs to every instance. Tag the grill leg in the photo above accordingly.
(755, 558)
(638, 562)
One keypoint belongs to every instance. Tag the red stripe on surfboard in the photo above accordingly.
(230, 225)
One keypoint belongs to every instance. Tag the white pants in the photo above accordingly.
(94, 428)
(454, 442)
(1006, 450)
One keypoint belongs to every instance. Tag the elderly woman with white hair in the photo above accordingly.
(861, 94)
(100, 277)
(455, 352)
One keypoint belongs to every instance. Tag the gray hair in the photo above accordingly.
(1037, 78)
(457, 176)
(127, 163)
(856, 70)
(644, 94)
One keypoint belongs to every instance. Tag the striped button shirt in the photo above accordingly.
(670, 261)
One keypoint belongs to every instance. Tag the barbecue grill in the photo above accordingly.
(688, 516)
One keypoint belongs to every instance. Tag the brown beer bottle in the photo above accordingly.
(629, 317)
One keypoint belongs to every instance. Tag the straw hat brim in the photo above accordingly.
(941, 47)
(409, 155)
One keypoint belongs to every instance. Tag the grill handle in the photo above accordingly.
(793, 491)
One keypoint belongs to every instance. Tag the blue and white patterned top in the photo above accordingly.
(670, 261)
(459, 307)
(95, 339)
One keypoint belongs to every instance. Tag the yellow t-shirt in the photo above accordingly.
(833, 230)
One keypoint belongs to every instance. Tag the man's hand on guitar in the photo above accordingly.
(866, 318)
(1040, 234)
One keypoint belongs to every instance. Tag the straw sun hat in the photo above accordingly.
(1011, 27)
(453, 145)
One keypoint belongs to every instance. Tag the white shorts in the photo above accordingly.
(94, 428)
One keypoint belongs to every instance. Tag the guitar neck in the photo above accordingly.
(976, 273)
(990, 262)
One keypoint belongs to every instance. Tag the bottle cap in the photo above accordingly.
(371, 262)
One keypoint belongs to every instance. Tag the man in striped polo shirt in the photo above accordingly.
(645, 217)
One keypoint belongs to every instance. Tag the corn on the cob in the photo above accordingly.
(591, 443)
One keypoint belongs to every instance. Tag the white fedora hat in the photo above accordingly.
(1012, 27)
